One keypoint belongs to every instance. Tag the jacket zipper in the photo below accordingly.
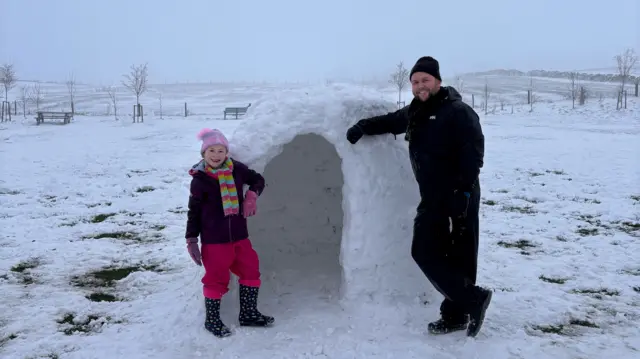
(230, 236)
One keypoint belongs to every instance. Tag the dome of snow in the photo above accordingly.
(335, 219)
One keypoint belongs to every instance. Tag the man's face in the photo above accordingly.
(424, 85)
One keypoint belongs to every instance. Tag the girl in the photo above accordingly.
(217, 214)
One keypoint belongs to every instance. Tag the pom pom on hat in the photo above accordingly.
(203, 133)
(210, 138)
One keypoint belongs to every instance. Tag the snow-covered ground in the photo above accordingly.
(560, 238)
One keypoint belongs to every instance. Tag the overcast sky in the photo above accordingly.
(285, 40)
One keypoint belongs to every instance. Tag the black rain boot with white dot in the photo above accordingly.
(213, 322)
(249, 315)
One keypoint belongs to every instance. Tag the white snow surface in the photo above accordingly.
(562, 184)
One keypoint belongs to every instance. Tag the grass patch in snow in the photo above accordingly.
(70, 324)
(635, 271)
(26, 265)
(520, 244)
(519, 209)
(587, 231)
(597, 293)
(523, 244)
(635, 198)
(93, 205)
(500, 191)
(7, 339)
(6, 191)
(101, 217)
(144, 189)
(23, 270)
(527, 199)
(138, 172)
(108, 276)
(122, 235)
(550, 328)
(489, 202)
(553, 280)
(51, 355)
(597, 225)
(98, 218)
(582, 199)
(556, 172)
(132, 214)
(565, 329)
(628, 227)
(637, 289)
(102, 297)
(178, 210)
(52, 198)
(129, 237)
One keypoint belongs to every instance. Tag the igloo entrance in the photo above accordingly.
(298, 230)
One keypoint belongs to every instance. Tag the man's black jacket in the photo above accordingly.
(446, 143)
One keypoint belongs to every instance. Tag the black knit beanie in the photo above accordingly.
(427, 64)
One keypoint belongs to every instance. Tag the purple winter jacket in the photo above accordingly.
(205, 218)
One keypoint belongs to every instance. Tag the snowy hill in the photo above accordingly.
(93, 262)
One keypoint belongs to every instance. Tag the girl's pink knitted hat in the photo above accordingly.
(211, 138)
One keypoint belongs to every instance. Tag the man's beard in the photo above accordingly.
(431, 94)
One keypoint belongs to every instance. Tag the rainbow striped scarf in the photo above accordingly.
(224, 175)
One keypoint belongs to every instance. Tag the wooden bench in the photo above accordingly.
(50, 115)
(237, 111)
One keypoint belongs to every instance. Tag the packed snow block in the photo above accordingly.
(335, 219)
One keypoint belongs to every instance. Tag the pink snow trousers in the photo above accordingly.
(220, 260)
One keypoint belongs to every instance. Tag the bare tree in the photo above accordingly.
(24, 98)
(7, 78)
(626, 61)
(36, 95)
(582, 96)
(459, 84)
(136, 80)
(532, 96)
(71, 90)
(573, 88)
(487, 93)
(502, 101)
(112, 92)
(400, 79)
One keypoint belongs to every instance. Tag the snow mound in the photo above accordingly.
(371, 183)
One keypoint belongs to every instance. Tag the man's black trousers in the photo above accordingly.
(449, 258)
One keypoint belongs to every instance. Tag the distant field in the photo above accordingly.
(513, 89)
(211, 98)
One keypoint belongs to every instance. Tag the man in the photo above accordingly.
(446, 149)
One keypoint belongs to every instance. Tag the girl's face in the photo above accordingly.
(214, 156)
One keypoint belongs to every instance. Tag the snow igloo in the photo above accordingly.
(335, 220)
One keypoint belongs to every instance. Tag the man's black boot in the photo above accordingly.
(477, 310)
